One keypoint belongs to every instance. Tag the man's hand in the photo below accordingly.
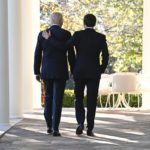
(38, 78)
(46, 34)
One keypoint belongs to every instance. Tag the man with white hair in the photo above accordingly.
(54, 71)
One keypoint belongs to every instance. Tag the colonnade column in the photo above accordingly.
(15, 58)
(146, 50)
(27, 54)
(36, 30)
(4, 69)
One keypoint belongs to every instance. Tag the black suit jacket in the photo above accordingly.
(53, 63)
(89, 44)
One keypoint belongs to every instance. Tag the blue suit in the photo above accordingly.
(51, 63)
(87, 70)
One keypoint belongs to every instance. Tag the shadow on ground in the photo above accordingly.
(113, 131)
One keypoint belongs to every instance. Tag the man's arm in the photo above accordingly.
(38, 58)
(71, 56)
(105, 56)
(59, 44)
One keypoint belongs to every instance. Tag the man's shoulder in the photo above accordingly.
(84, 31)
(40, 37)
(65, 31)
(101, 35)
(80, 32)
(40, 33)
(97, 34)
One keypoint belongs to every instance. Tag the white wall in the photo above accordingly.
(146, 49)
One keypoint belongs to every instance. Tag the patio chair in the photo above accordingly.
(105, 89)
(122, 83)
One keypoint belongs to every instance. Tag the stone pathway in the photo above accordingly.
(113, 130)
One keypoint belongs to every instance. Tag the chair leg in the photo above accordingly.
(100, 99)
(124, 101)
(113, 100)
(121, 104)
(108, 100)
(118, 101)
(128, 99)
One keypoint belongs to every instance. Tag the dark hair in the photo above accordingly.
(89, 20)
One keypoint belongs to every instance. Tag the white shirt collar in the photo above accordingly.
(55, 25)
(89, 28)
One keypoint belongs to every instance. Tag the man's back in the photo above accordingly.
(89, 44)
(54, 63)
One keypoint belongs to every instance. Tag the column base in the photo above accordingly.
(16, 117)
(5, 127)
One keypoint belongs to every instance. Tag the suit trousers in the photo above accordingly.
(92, 93)
(54, 92)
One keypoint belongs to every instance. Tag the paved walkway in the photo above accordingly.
(113, 130)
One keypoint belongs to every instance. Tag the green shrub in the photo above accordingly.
(69, 99)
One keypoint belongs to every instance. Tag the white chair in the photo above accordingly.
(137, 91)
(123, 83)
(105, 89)
(142, 86)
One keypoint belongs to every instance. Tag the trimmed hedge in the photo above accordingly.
(69, 98)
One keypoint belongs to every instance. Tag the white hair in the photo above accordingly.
(56, 18)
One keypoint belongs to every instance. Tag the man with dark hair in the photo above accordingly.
(87, 70)
(90, 20)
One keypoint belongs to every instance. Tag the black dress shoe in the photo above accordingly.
(49, 131)
(56, 133)
(79, 129)
(90, 133)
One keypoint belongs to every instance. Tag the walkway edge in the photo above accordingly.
(5, 128)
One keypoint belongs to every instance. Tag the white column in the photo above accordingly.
(4, 70)
(146, 49)
(15, 58)
(36, 30)
(27, 55)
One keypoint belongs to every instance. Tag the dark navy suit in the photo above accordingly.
(51, 63)
(87, 70)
